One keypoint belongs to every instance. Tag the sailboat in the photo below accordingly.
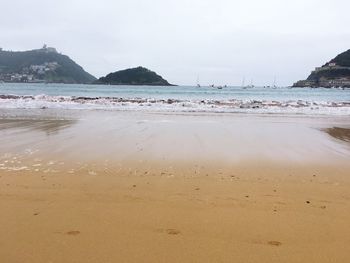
(251, 84)
(198, 85)
(243, 83)
(274, 83)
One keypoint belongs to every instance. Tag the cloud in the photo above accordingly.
(220, 40)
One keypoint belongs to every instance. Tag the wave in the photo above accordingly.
(175, 105)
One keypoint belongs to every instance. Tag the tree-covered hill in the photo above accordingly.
(134, 76)
(41, 65)
(335, 73)
(342, 59)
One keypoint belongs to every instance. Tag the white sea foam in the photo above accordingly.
(176, 105)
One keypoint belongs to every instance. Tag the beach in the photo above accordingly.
(174, 131)
(131, 186)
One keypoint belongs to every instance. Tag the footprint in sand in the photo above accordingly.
(274, 243)
(169, 231)
(73, 233)
(172, 231)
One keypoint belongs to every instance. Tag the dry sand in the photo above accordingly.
(173, 203)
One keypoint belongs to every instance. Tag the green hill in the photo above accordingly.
(134, 76)
(41, 65)
(335, 73)
(342, 59)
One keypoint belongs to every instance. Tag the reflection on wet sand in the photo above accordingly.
(84, 136)
(339, 133)
(50, 127)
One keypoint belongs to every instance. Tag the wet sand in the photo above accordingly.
(127, 187)
(339, 133)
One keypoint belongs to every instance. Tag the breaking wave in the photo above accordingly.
(175, 105)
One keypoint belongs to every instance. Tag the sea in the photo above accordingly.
(261, 100)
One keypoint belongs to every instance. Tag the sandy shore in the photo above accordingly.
(126, 187)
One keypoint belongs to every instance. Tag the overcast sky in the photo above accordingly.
(221, 41)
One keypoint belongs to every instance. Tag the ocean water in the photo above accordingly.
(280, 100)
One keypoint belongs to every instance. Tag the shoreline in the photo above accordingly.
(222, 138)
(259, 100)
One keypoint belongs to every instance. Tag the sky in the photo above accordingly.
(217, 41)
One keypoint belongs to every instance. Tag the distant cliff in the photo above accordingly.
(41, 65)
(134, 76)
(335, 73)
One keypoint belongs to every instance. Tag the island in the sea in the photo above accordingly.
(41, 65)
(335, 73)
(134, 76)
(48, 66)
